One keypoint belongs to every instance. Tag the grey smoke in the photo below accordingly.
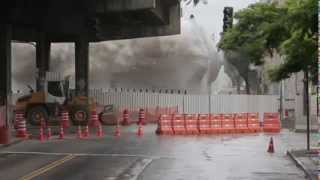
(186, 61)
(238, 65)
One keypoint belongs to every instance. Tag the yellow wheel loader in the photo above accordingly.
(56, 97)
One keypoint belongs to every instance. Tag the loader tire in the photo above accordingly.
(36, 113)
(80, 115)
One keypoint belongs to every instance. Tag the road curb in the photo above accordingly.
(10, 144)
(300, 165)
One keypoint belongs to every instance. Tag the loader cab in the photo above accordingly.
(58, 91)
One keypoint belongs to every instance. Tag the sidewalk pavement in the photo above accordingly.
(308, 161)
(13, 141)
(34, 132)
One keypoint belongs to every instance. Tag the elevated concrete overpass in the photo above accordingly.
(80, 22)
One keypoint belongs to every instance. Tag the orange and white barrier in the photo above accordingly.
(178, 124)
(191, 124)
(241, 123)
(253, 122)
(271, 122)
(165, 124)
(204, 123)
(216, 123)
(227, 123)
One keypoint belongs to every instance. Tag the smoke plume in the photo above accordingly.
(185, 61)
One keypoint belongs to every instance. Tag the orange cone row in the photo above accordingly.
(140, 131)
(142, 116)
(181, 124)
(145, 115)
(100, 131)
(125, 117)
(94, 121)
(64, 119)
(42, 136)
(21, 125)
(64, 122)
(117, 132)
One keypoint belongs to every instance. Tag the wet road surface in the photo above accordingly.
(152, 157)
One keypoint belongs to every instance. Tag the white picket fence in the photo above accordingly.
(190, 103)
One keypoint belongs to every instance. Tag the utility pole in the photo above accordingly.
(281, 100)
(318, 99)
(209, 98)
(307, 105)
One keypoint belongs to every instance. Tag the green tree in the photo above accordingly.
(194, 2)
(300, 48)
(290, 30)
(258, 30)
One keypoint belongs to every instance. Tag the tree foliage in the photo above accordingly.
(290, 30)
(194, 2)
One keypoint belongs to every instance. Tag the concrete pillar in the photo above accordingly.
(82, 67)
(42, 59)
(5, 82)
(5, 63)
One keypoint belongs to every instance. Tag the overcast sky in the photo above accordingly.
(210, 15)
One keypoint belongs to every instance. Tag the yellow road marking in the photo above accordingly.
(47, 167)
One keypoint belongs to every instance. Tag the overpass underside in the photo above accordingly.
(79, 22)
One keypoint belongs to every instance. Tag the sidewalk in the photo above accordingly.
(308, 161)
(13, 141)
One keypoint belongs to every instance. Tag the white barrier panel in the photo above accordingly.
(170, 100)
(188, 103)
(196, 104)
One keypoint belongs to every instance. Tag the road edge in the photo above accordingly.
(14, 142)
(299, 164)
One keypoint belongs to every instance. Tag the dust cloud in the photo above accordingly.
(186, 61)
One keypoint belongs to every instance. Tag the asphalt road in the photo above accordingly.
(152, 157)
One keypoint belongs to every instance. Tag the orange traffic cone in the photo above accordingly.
(117, 131)
(49, 134)
(141, 117)
(100, 132)
(41, 135)
(271, 147)
(140, 130)
(125, 118)
(61, 133)
(64, 119)
(79, 132)
(94, 121)
(21, 126)
(86, 132)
